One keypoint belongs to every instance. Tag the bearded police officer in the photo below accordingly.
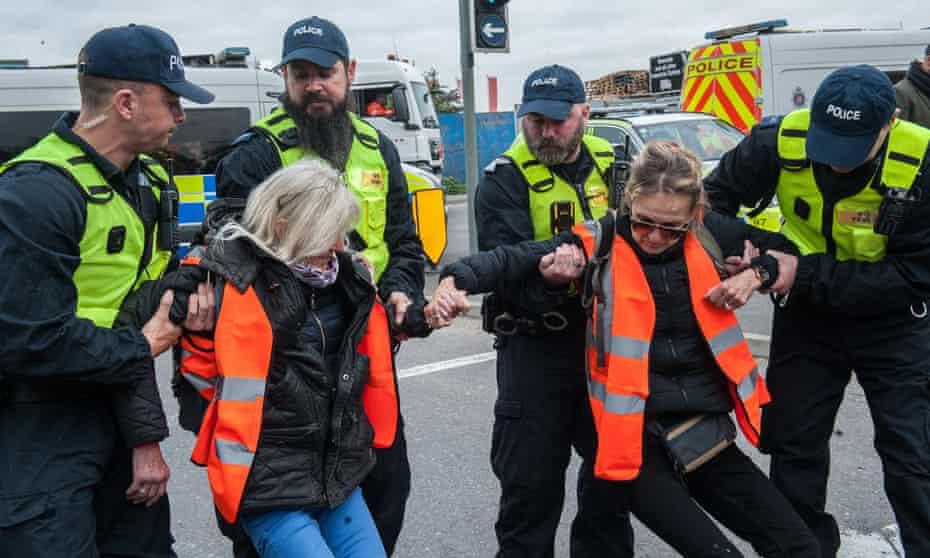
(551, 177)
(82, 225)
(315, 120)
(852, 183)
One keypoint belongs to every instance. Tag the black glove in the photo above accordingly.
(141, 304)
(414, 325)
(183, 282)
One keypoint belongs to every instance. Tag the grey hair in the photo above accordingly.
(298, 212)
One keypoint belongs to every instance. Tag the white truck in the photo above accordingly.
(411, 122)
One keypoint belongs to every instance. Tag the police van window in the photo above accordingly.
(21, 130)
(425, 104)
(199, 143)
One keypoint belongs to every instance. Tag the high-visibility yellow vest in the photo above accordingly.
(851, 223)
(546, 187)
(115, 239)
(366, 174)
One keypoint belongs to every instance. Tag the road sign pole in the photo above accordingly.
(468, 95)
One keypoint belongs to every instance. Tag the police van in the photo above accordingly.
(33, 98)
(752, 71)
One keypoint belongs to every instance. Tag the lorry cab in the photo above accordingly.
(33, 98)
(749, 72)
(393, 96)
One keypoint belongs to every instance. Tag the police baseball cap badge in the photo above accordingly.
(551, 92)
(139, 53)
(848, 112)
(316, 40)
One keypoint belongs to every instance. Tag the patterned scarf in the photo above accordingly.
(314, 276)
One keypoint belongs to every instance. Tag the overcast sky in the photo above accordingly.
(595, 37)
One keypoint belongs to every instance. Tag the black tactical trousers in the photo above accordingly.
(812, 358)
(387, 487)
(541, 413)
(63, 477)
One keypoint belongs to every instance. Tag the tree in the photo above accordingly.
(444, 99)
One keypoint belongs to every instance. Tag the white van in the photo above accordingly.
(408, 118)
(32, 99)
(747, 73)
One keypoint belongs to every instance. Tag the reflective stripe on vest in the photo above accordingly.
(243, 340)
(102, 279)
(547, 187)
(366, 174)
(853, 218)
(617, 357)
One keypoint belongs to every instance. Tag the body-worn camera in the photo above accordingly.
(561, 216)
(896, 203)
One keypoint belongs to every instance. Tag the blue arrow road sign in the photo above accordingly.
(493, 30)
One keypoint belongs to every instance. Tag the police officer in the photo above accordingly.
(852, 183)
(82, 226)
(553, 174)
(315, 120)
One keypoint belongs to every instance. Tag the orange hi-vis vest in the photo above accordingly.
(231, 371)
(619, 332)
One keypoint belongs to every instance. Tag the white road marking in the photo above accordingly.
(478, 358)
(882, 544)
(424, 369)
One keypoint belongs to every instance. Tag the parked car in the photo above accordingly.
(705, 135)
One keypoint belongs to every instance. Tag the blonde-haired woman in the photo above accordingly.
(298, 371)
(665, 351)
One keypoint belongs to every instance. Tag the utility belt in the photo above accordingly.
(21, 392)
(498, 319)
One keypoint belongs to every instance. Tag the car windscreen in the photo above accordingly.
(708, 138)
(425, 104)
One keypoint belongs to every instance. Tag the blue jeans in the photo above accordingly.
(346, 531)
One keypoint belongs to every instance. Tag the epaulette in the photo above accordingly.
(244, 137)
(499, 161)
(772, 121)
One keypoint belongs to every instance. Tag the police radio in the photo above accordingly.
(167, 238)
(896, 203)
(561, 216)
(619, 174)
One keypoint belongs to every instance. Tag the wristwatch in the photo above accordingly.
(762, 275)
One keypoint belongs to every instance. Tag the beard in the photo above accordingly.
(553, 151)
(329, 134)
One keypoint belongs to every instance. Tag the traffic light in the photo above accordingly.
(491, 26)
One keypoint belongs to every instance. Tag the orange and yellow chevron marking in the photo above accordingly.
(724, 79)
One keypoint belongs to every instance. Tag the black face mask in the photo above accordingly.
(919, 78)
(329, 135)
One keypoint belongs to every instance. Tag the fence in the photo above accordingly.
(495, 131)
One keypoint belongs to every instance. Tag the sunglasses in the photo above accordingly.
(643, 228)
